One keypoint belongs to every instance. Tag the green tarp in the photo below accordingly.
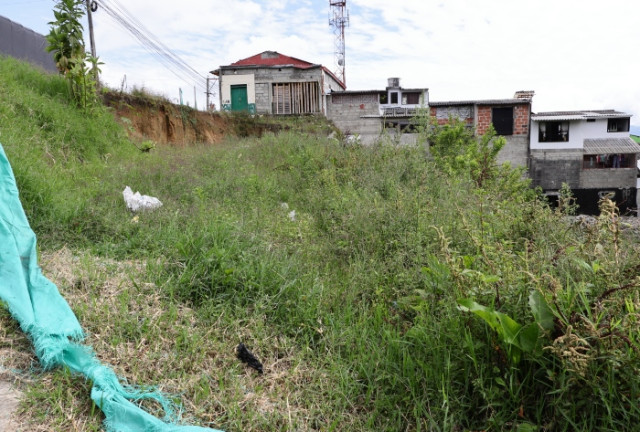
(46, 317)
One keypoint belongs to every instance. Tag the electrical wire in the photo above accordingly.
(151, 43)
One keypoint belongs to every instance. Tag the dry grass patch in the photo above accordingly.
(150, 341)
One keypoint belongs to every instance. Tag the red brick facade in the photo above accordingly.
(520, 121)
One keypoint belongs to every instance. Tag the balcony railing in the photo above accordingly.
(399, 111)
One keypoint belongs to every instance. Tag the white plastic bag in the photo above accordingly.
(136, 202)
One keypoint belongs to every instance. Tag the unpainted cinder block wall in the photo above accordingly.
(347, 111)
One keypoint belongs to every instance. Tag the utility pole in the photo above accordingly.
(208, 95)
(92, 6)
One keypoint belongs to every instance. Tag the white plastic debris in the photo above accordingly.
(292, 215)
(136, 202)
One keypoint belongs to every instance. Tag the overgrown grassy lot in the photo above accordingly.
(380, 291)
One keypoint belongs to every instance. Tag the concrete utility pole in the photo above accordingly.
(92, 6)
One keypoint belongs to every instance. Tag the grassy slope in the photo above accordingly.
(351, 306)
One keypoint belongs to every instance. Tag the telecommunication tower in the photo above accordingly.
(338, 20)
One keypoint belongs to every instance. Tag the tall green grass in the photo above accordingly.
(358, 293)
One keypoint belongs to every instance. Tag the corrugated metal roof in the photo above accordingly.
(272, 58)
(355, 92)
(577, 115)
(482, 102)
(610, 146)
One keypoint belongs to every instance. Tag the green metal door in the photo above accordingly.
(239, 100)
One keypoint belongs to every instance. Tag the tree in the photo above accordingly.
(457, 150)
(66, 41)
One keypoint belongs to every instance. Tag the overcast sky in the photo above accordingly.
(575, 54)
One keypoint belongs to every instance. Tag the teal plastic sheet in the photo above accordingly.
(46, 317)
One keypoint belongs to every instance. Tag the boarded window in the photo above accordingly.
(296, 98)
(502, 119)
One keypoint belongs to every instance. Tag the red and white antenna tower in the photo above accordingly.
(339, 19)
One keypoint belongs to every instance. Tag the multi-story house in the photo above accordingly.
(509, 117)
(371, 113)
(590, 151)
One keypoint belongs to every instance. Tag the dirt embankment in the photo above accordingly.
(159, 121)
(164, 123)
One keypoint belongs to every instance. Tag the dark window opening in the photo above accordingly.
(410, 98)
(394, 97)
(401, 127)
(383, 98)
(609, 161)
(553, 131)
(591, 120)
(618, 125)
(502, 119)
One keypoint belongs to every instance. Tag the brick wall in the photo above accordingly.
(520, 120)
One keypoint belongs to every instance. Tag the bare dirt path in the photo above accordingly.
(8, 404)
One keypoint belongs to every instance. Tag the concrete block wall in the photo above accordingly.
(263, 98)
(549, 169)
(608, 178)
(265, 77)
(347, 111)
(515, 151)
(442, 114)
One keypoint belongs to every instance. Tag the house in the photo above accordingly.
(590, 151)
(273, 83)
(510, 119)
(369, 113)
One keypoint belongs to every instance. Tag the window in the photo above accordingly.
(618, 125)
(394, 97)
(401, 126)
(383, 98)
(410, 98)
(502, 119)
(553, 131)
(609, 161)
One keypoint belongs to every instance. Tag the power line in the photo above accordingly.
(167, 57)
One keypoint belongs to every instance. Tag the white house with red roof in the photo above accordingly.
(273, 83)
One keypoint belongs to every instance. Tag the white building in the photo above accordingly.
(591, 151)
